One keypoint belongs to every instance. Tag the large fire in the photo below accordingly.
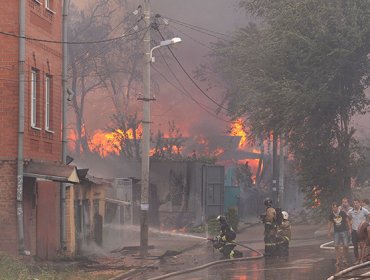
(111, 143)
(238, 128)
(104, 143)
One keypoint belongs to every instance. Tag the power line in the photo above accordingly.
(71, 43)
(192, 80)
(201, 29)
(81, 58)
(191, 97)
(192, 38)
(184, 90)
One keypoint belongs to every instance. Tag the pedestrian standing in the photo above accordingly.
(346, 207)
(365, 204)
(339, 223)
(357, 216)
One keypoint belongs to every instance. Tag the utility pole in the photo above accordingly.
(145, 141)
(281, 171)
(275, 186)
(21, 75)
(63, 236)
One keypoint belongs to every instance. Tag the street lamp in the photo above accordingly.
(145, 141)
(163, 44)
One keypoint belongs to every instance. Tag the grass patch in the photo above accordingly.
(15, 269)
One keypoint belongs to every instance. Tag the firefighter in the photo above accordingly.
(284, 235)
(225, 241)
(269, 220)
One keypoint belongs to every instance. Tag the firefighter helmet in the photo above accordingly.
(221, 219)
(267, 202)
(285, 215)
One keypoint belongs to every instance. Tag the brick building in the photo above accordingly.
(30, 222)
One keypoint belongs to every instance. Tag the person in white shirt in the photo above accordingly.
(356, 216)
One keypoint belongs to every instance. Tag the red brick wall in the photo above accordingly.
(38, 144)
(8, 218)
(47, 58)
(8, 80)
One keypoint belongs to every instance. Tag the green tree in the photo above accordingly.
(302, 70)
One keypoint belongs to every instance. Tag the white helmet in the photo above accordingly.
(285, 215)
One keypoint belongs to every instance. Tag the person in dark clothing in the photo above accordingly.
(225, 241)
(338, 220)
(269, 220)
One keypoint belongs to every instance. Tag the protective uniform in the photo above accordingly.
(225, 241)
(270, 228)
(283, 235)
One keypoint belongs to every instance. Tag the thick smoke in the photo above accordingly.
(220, 16)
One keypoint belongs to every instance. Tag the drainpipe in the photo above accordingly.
(21, 62)
(64, 125)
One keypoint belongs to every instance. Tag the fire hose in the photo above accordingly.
(341, 274)
(211, 264)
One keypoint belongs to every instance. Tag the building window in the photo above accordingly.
(48, 103)
(49, 5)
(35, 114)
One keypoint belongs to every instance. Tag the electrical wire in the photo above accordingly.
(102, 50)
(184, 91)
(200, 29)
(71, 43)
(192, 80)
(191, 97)
(192, 38)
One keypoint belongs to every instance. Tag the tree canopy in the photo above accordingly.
(301, 68)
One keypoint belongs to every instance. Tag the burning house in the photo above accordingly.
(182, 192)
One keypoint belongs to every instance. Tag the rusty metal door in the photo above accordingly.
(213, 190)
(47, 220)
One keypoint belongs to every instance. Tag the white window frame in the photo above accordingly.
(48, 92)
(34, 74)
(48, 7)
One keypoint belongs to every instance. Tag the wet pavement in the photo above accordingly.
(304, 263)
(173, 252)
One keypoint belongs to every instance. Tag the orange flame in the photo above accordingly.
(202, 140)
(238, 129)
(109, 142)
(219, 151)
(253, 165)
(104, 143)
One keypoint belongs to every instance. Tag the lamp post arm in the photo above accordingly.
(151, 52)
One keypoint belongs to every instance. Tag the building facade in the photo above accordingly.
(30, 222)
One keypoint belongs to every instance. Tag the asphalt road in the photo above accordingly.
(305, 262)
